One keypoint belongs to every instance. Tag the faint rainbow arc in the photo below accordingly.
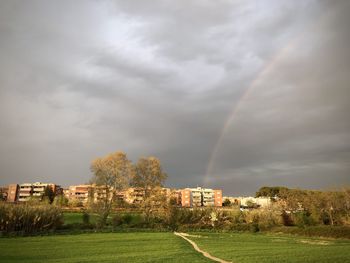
(262, 73)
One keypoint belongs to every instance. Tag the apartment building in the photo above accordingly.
(135, 195)
(186, 197)
(25, 192)
(36, 190)
(218, 197)
(199, 197)
(208, 197)
(12, 193)
(101, 192)
(79, 193)
(246, 201)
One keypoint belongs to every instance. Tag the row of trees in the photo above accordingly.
(310, 207)
(115, 172)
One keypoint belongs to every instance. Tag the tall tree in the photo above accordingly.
(112, 173)
(149, 175)
(49, 194)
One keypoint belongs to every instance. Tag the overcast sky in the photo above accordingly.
(227, 94)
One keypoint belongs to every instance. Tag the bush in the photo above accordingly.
(26, 218)
(286, 219)
(117, 220)
(86, 218)
(302, 219)
(127, 218)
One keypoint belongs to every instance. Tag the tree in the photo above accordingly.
(111, 173)
(49, 194)
(251, 204)
(267, 191)
(60, 200)
(227, 202)
(149, 177)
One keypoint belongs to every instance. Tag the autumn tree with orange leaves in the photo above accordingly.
(150, 177)
(112, 173)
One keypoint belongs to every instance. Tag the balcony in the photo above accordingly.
(39, 189)
(24, 194)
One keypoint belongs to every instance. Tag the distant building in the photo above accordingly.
(12, 193)
(186, 197)
(35, 190)
(25, 192)
(80, 193)
(199, 197)
(246, 201)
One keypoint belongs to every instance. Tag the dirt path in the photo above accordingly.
(206, 254)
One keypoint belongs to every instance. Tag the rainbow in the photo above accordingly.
(267, 68)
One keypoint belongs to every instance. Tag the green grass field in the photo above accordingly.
(99, 247)
(248, 247)
(166, 247)
(77, 218)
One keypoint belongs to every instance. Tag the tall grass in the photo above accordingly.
(28, 218)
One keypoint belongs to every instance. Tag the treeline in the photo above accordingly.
(115, 172)
(309, 207)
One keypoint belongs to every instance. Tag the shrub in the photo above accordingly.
(286, 219)
(28, 218)
(302, 219)
(127, 218)
(117, 220)
(86, 218)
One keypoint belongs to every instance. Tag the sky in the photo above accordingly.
(227, 94)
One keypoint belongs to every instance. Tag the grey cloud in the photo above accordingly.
(81, 79)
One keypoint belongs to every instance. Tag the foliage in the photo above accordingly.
(60, 200)
(49, 194)
(149, 174)
(86, 218)
(149, 177)
(126, 219)
(268, 191)
(113, 173)
(27, 218)
(227, 202)
(309, 207)
(286, 219)
(75, 203)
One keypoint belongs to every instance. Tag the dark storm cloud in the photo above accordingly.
(82, 79)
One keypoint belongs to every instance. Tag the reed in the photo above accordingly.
(29, 218)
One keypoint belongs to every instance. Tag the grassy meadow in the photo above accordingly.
(166, 247)
(77, 218)
(99, 247)
(249, 247)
